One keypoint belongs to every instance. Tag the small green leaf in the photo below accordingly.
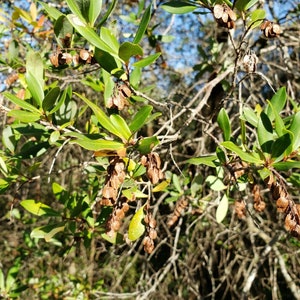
(286, 165)
(94, 10)
(108, 12)
(24, 116)
(140, 118)
(278, 102)
(99, 145)
(245, 156)
(136, 226)
(128, 50)
(51, 11)
(215, 183)
(50, 99)
(265, 133)
(35, 88)
(143, 25)
(257, 17)
(47, 232)
(178, 7)
(222, 209)
(243, 5)
(250, 116)
(22, 103)
(146, 145)
(295, 129)
(147, 60)
(224, 123)
(282, 146)
(121, 126)
(75, 9)
(203, 160)
(38, 208)
(109, 38)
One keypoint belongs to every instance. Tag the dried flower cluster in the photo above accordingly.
(224, 15)
(64, 58)
(181, 205)
(153, 164)
(119, 98)
(259, 204)
(151, 235)
(270, 29)
(249, 62)
(285, 205)
(240, 208)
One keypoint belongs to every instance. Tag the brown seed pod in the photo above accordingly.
(282, 204)
(224, 15)
(249, 62)
(152, 233)
(269, 29)
(240, 209)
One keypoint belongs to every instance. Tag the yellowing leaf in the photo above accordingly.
(136, 227)
(161, 186)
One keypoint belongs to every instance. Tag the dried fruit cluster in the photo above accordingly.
(180, 206)
(259, 204)
(224, 15)
(240, 208)
(151, 234)
(63, 58)
(270, 29)
(285, 205)
(153, 164)
(119, 98)
(249, 62)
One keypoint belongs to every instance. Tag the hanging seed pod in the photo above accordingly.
(270, 30)
(178, 211)
(240, 209)
(224, 15)
(249, 62)
(282, 204)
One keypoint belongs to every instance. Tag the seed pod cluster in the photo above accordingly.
(119, 98)
(63, 58)
(180, 206)
(224, 15)
(259, 204)
(153, 164)
(151, 235)
(113, 224)
(249, 62)
(270, 29)
(240, 209)
(236, 168)
(285, 205)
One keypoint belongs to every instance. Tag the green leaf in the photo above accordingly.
(250, 116)
(147, 60)
(128, 50)
(121, 126)
(99, 145)
(140, 118)
(203, 160)
(178, 7)
(102, 118)
(94, 10)
(143, 25)
(62, 28)
(295, 129)
(22, 103)
(215, 183)
(109, 38)
(51, 11)
(35, 88)
(245, 156)
(47, 232)
(286, 165)
(243, 5)
(224, 123)
(65, 94)
(146, 145)
(108, 12)
(50, 99)
(222, 209)
(265, 133)
(278, 102)
(24, 116)
(75, 9)
(136, 226)
(38, 208)
(257, 17)
(282, 146)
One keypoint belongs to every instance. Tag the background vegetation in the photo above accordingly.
(150, 150)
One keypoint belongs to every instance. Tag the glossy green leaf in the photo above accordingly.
(278, 102)
(24, 116)
(47, 232)
(112, 5)
(94, 11)
(245, 156)
(91, 36)
(35, 88)
(75, 9)
(63, 96)
(257, 17)
(147, 60)
(9, 139)
(102, 118)
(178, 7)
(222, 209)
(243, 5)
(140, 118)
(50, 99)
(279, 123)
(121, 126)
(203, 160)
(224, 123)
(250, 116)
(54, 136)
(265, 133)
(51, 11)
(109, 38)
(128, 50)
(295, 129)
(143, 25)
(215, 183)
(22, 103)
(136, 225)
(286, 165)
(146, 145)
(38, 208)
(282, 146)
(99, 145)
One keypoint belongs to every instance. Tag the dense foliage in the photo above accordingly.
(150, 150)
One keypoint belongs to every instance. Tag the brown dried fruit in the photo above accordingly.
(240, 209)
(282, 204)
(224, 15)
(269, 29)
